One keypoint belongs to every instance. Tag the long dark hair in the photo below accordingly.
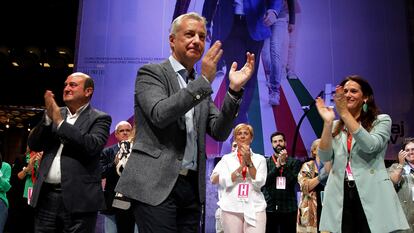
(366, 118)
(1, 160)
(406, 141)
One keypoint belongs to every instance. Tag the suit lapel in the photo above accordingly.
(83, 117)
(171, 75)
(344, 141)
(63, 113)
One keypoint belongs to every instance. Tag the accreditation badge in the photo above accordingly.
(29, 194)
(243, 191)
(280, 182)
(348, 170)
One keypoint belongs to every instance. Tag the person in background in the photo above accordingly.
(280, 187)
(5, 173)
(68, 193)
(165, 174)
(311, 178)
(359, 191)
(214, 178)
(116, 220)
(402, 175)
(29, 172)
(295, 19)
(242, 175)
(241, 26)
(18, 207)
(275, 50)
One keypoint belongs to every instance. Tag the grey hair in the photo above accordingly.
(314, 145)
(122, 123)
(191, 15)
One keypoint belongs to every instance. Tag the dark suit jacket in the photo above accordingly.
(80, 168)
(158, 150)
(221, 13)
(111, 176)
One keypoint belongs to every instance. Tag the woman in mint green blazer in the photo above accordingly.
(5, 172)
(359, 195)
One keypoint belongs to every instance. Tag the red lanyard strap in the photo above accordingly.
(281, 168)
(244, 170)
(349, 142)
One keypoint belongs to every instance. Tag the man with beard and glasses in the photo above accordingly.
(279, 190)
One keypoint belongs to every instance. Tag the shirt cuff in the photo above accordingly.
(60, 124)
(236, 95)
(48, 121)
(205, 78)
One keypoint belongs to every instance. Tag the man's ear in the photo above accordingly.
(172, 41)
(89, 91)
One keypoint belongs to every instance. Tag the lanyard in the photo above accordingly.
(281, 168)
(348, 164)
(349, 142)
(35, 166)
(244, 171)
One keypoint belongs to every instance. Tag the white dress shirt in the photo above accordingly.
(229, 200)
(54, 174)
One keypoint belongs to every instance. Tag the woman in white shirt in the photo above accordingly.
(242, 175)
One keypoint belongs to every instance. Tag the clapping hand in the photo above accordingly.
(238, 78)
(327, 113)
(401, 156)
(340, 100)
(52, 109)
(244, 150)
(210, 60)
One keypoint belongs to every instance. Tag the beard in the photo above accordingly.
(278, 149)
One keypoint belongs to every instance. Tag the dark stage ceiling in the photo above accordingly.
(37, 43)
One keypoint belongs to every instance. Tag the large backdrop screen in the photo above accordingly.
(330, 40)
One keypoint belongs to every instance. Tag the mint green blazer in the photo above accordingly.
(378, 197)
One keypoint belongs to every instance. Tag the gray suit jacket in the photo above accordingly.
(154, 164)
(375, 189)
(80, 168)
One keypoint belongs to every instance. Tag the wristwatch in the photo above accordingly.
(237, 173)
(399, 166)
(250, 165)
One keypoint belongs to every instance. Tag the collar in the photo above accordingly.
(177, 66)
(78, 112)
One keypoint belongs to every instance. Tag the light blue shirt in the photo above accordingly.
(190, 153)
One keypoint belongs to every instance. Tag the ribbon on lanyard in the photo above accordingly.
(281, 168)
(35, 166)
(349, 142)
(348, 164)
(244, 171)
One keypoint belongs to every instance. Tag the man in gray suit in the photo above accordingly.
(165, 174)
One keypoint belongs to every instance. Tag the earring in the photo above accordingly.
(365, 107)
